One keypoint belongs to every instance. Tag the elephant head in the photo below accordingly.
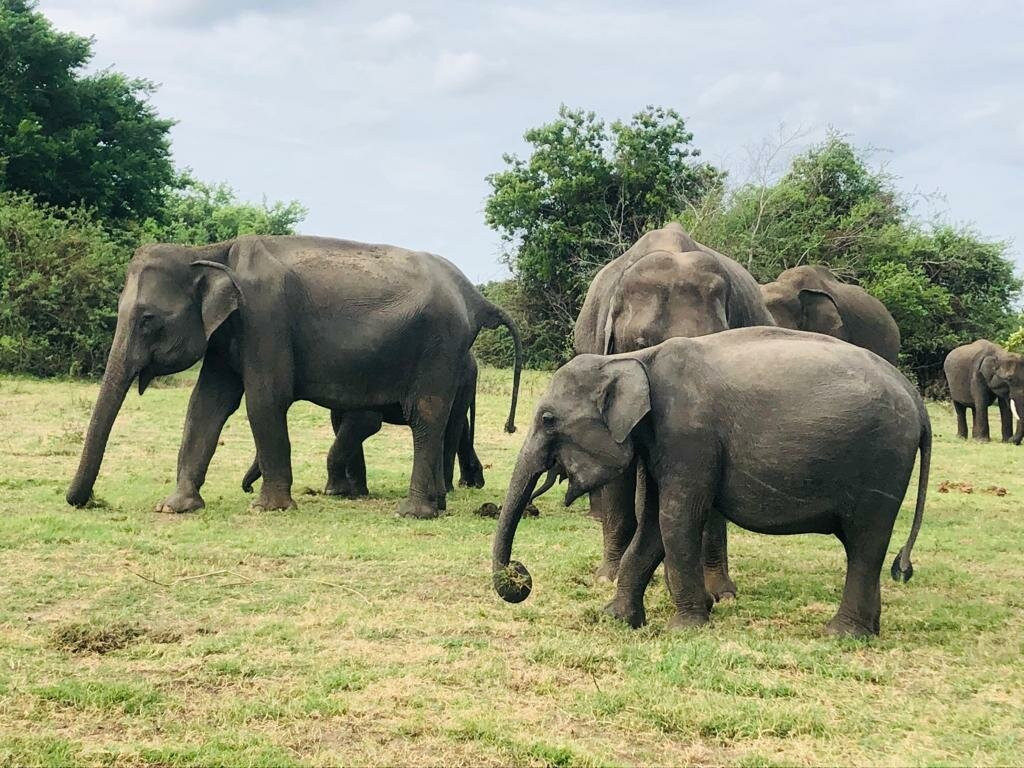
(173, 300)
(665, 294)
(804, 309)
(1004, 374)
(583, 429)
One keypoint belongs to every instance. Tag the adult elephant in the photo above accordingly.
(667, 284)
(979, 374)
(342, 324)
(810, 298)
(346, 462)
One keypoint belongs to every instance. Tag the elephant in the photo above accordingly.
(738, 423)
(810, 298)
(342, 324)
(978, 374)
(667, 284)
(346, 464)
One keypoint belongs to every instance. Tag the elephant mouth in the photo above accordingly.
(556, 474)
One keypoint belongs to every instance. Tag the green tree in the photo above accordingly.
(60, 276)
(586, 192)
(944, 285)
(195, 213)
(69, 138)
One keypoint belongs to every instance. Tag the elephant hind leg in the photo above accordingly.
(866, 543)
(428, 418)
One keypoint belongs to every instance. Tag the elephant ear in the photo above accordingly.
(992, 371)
(821, 313)
(219, 293)
(627, 396)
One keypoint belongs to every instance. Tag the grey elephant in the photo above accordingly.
(667, 284)
(346, 463)
(719, 424)
(979, 374)
(342, 324)
(810, 298)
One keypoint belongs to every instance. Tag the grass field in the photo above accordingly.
(337, 633)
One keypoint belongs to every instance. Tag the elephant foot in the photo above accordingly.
(345, 489)
(843, 626)
(627, 611)
(719, 585)
(982, 439)
(688, 620)
(472, 478)
(179, 502)
(607, 571)
(418, 508)
(273, 500)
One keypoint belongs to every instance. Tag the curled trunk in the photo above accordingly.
(512, 580)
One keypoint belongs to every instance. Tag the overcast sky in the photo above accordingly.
(383, 119)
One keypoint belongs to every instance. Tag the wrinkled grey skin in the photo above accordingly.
(346, 463)
(718, 424)
(979, 374)
(811, 298)
(666, 285)
(342, 324)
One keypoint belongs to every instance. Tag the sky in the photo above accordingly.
(384, 119)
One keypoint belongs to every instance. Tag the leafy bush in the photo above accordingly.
(60, 277)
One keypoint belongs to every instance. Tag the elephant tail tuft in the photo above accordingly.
(902, 569)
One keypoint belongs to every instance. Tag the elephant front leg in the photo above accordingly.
(346, 462)
(216, 396)
(682, 517)
(715, 553)
(961, 420)
(1005, 419)
(638, 563)
(614, 504)
(268, 418)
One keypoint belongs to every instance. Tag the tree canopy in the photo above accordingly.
(69, 138)
(585, 193)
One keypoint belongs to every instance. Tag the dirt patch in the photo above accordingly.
(947, 486)
(487, 509)
(90, 638)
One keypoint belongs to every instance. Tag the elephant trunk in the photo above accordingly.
(116, 380)
(512, 580)
(1018, 405)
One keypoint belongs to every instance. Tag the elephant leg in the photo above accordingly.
(346, 463)
(639, 562)
(982, 400)
(1005, 419)
(683, 512)
(471, 469)
(268, 418)
(615, 505)
(860, 611)
(961, 420)
(428, 418)
(454, 431)
(715, 553)
(216, 396)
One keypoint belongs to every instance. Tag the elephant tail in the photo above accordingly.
(497, 316)
(902, 568)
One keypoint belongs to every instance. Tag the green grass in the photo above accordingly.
(337, 633)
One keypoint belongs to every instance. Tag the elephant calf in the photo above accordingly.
(978, 374)
(720, 423)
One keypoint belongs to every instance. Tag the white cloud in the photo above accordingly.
(459, 72)
(393, 29)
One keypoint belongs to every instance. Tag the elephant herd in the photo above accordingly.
(696, 396)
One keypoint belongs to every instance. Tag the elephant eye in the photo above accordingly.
(149, 321)
(547, 419)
